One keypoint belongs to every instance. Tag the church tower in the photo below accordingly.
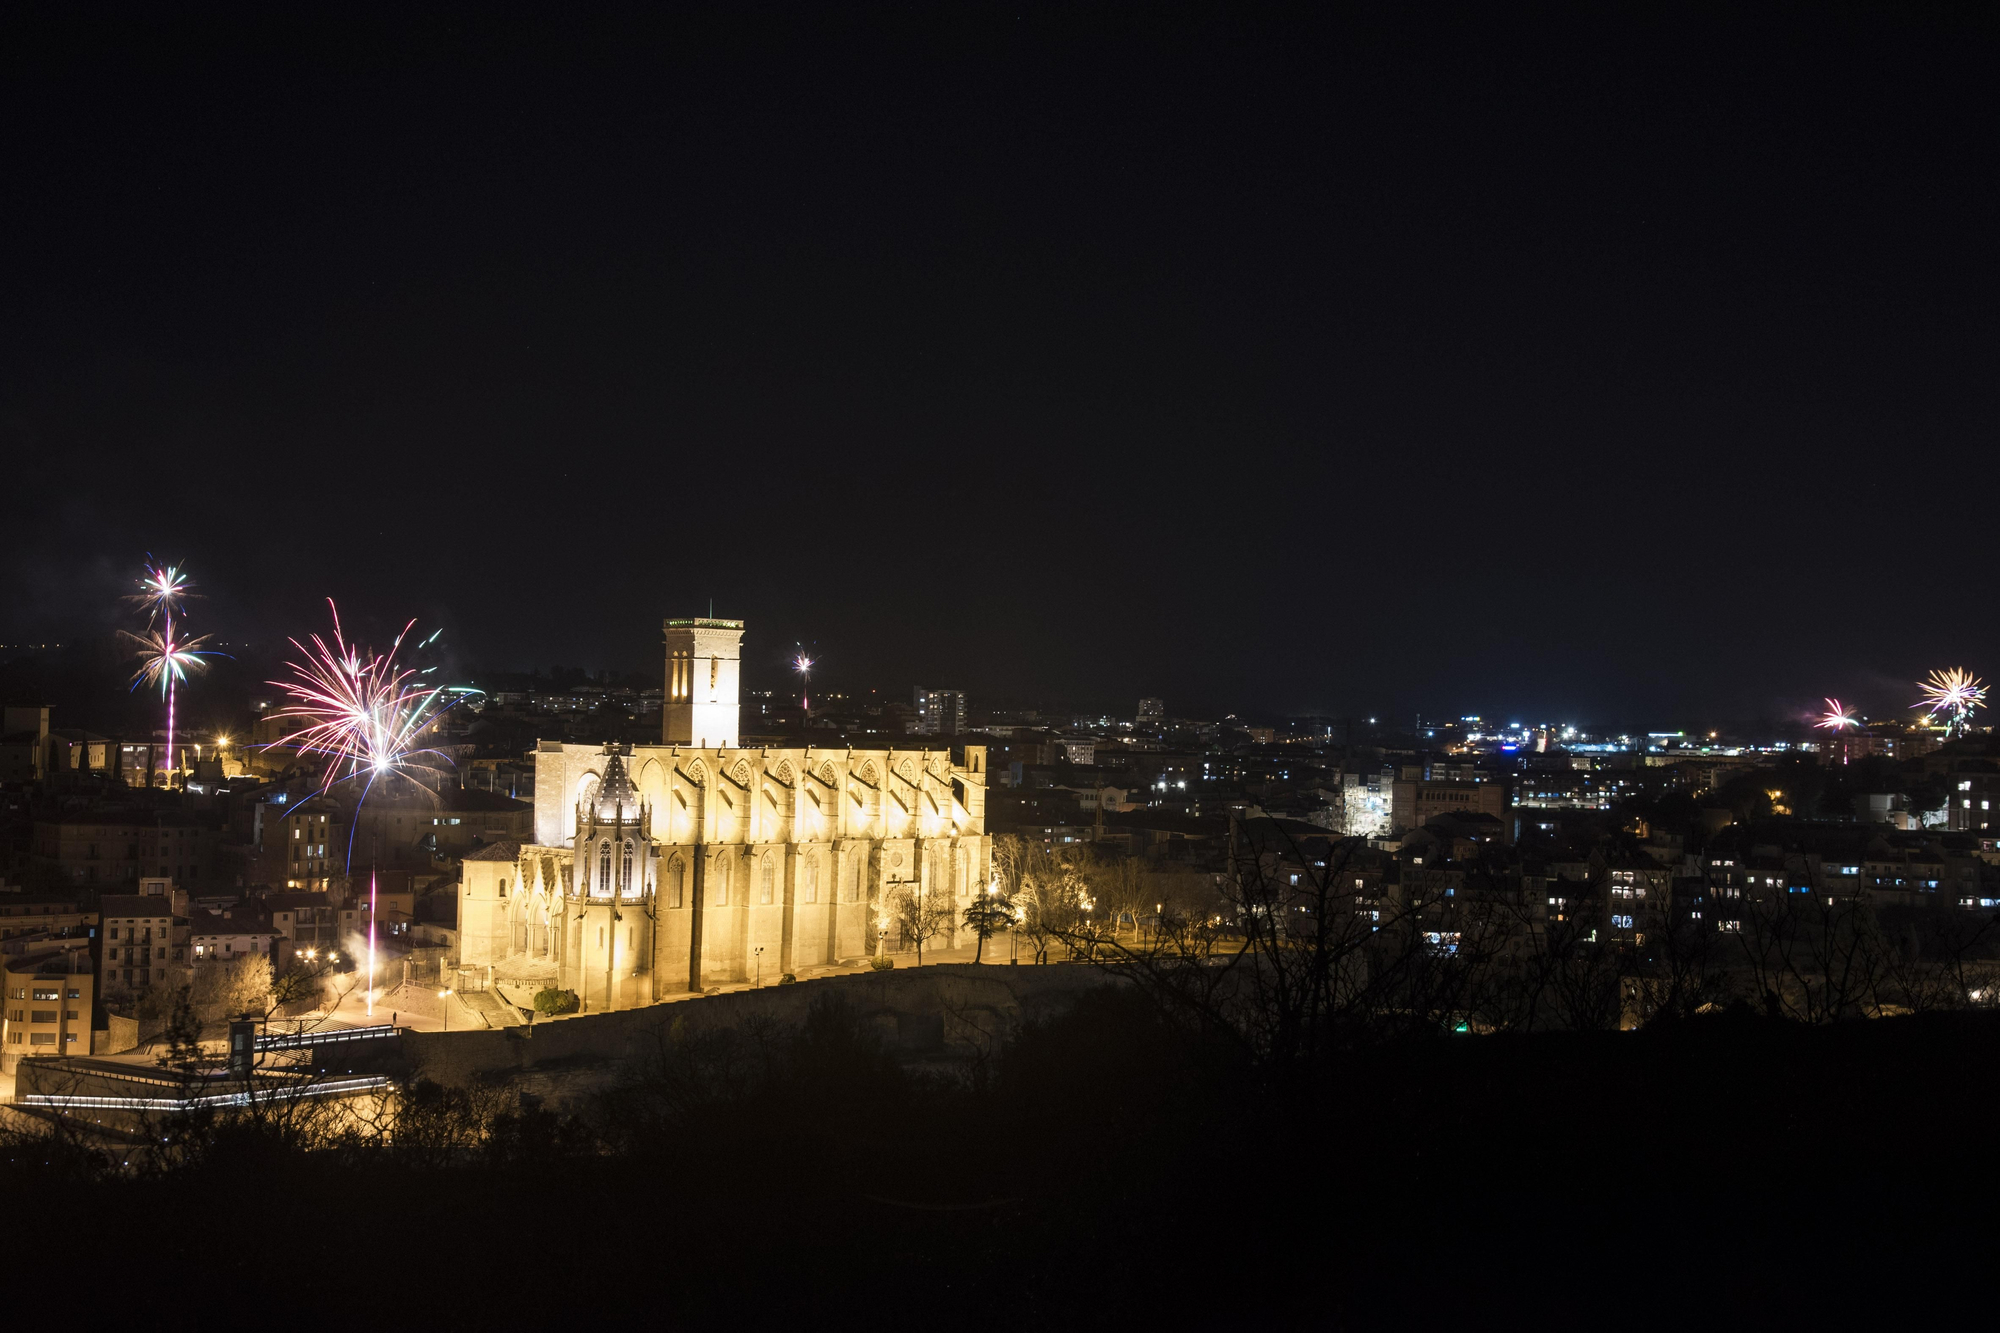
(702, 661)
(609, 915)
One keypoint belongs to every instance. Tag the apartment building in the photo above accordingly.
(47, 1006)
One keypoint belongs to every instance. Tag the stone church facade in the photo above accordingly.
(662, 869)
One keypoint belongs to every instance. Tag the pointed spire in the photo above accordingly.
(615, 793)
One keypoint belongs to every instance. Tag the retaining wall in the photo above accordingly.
(939, 1012)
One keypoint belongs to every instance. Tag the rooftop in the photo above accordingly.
(134, 904)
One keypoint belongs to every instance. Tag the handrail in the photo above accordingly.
(61, 1101)
(295, 1040)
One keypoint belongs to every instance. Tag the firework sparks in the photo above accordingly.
(1950, 696)
(362, 713)
(166, 660)
(803, 664)
(1837, 717)
(162, 588)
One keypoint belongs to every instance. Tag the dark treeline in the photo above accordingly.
(1108, 1165)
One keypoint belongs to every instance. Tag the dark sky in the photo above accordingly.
(1554, 362)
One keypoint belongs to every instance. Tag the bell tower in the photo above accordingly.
(702, 661)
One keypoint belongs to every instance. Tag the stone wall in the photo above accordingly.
(950, 1011)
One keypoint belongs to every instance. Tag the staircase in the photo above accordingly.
(494, 1011)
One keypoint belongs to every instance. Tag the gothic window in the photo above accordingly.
(809, 882)
(503, 886)
(625, 869)
(722, 881)
(675, 872)
(854, 879)
(766, 881)
(604, 866)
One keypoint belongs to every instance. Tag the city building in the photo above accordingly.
(24, 744)
(311, 840)
(1975, 788)
(661, 869)
(115, 847)
(305, 920)
(1366, 803)
(221, 937)
(467, 818)
(939, 712)
(1416, 799)
(144, 938)
(23, 914)
(49, 996)
(1152, 712)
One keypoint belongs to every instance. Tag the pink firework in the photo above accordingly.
(167, 659)
(362, 712)
(1837, 717)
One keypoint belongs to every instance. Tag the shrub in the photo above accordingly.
(882, 963)
(553, 1001)
(787, 979)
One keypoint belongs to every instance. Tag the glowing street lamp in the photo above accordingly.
(445, 996)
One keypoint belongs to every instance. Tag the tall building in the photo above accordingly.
(663, 869)
(939, 712)
(703, 661)
(1152, 712)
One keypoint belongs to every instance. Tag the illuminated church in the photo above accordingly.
(662, 869)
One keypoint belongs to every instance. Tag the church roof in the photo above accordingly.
(615, 793)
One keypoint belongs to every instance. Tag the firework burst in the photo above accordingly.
(162, 589)
(1837, 717)
(362, 712)
(165, 658)
(1950, 696)
(803, 664)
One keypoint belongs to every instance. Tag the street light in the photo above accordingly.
(445, 995)
(759, 951)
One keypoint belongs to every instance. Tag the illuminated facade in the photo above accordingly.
(662, 869)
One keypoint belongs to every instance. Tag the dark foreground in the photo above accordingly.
(1730, 1170)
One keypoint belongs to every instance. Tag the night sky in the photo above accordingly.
(1558, 363)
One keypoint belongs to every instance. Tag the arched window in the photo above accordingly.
(854, 879)
(503, 886)
(809, 881)
(625, 882)
(722, 880)
(604, 866)
(767, 880)
(675, 873)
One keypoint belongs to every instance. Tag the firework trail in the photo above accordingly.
(1837, 717)
(363, 712)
